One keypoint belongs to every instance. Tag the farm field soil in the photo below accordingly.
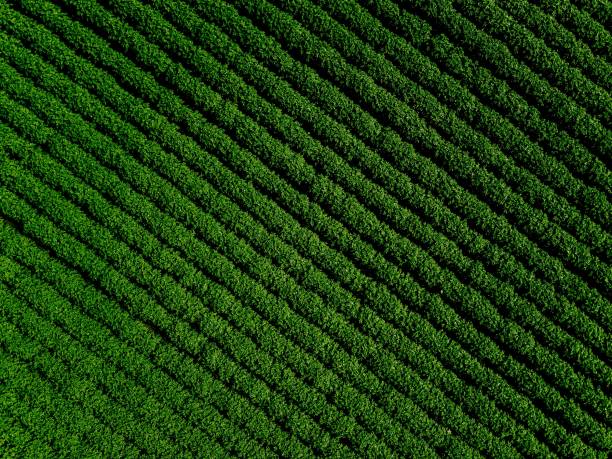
(305, 228)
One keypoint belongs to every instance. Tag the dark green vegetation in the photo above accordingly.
(304, 228)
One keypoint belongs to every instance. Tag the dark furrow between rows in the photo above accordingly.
(149, 287)
(382, 140)
(198, 352)
(446, 154)
(492, 91)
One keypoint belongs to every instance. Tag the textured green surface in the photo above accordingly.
(304, 228)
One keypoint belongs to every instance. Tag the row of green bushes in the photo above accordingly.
(540, 59)
(161, 384)
(350, 336)
(357, 186)
(211, 375)
(94, 399)
(409, 352)
(549, 100)
(382, 200)
(44, 423)
(350, 180)
(285, 38)
(582, 19)
(493, 91)
(162, 432)
(498, 129)
(175, 201)
(405, 158)
(349, 183)
(560, 39)
(257, 139)
(406, 121)
(599, 11)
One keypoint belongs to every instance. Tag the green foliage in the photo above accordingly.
(583, 22)
(304, 228)
(563, 41)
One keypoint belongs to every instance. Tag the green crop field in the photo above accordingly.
(299, 228)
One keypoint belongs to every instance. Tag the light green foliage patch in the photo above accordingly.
(298, 228)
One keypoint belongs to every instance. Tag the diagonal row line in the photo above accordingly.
(429, 173)
(557, 37)
(492, 91)
(537, 57)
(494, 54)
(580, 21)
(484, 122)
(195, 347)
(161, 427)
(48, 406)
(406, 121)
(349, 359)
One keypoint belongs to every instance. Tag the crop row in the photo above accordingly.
(17, 438)
(541, 60)
(344, 176)
(407, 353)
(212, 230)
(86, 393)
(43, 165)
(406, 158)
(247, 267)
(139, 368)
(135, 232)
(194, 340)
(204, 231)
(207, 229)
(208, 385)
(217, 205)
(84, 328)
(344, 213)
(597, 36)
(528, 213)
(23, 424)
(42, 423)
(478, 115)
(600, 11)
(160, 424)
(550, 101)
(492, 91)
(446, 121)
(562, 40)
(138, 269)
(406, 120)
(366, 189)
(48, 421)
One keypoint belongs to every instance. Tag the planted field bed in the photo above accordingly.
(299, 228)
